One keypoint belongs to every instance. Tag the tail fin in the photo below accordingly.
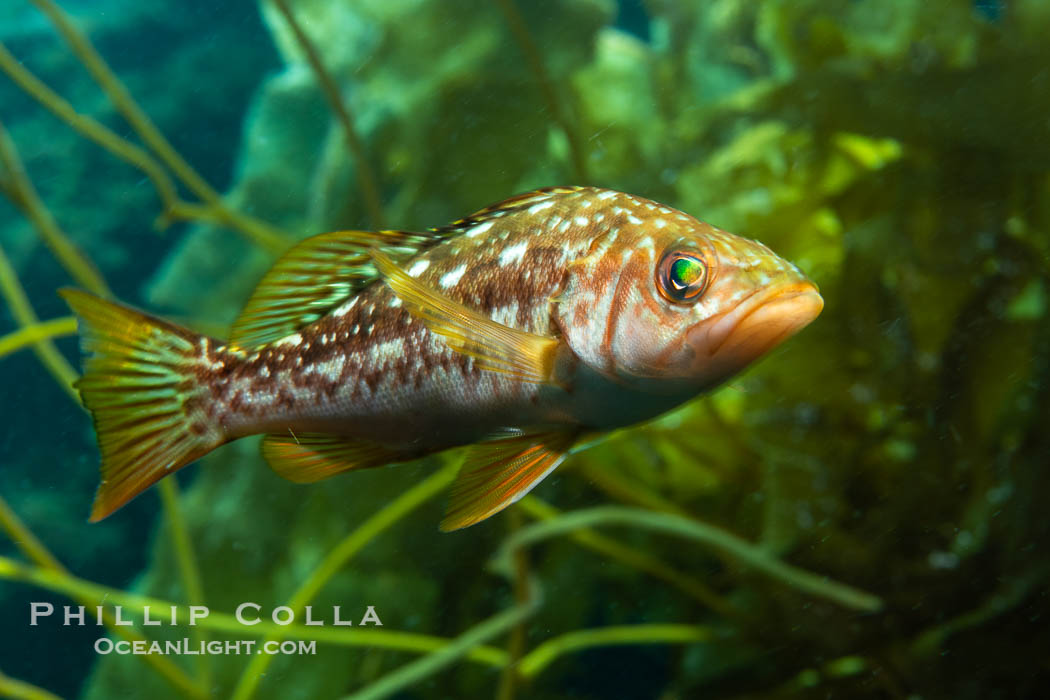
(142, 387)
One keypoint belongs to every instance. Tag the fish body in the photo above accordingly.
(554, 314)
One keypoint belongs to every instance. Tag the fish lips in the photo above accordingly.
(756, 325)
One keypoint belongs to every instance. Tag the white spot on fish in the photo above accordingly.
(506, 315)
(264, 372)
(564, 226)
(342, 310)
(331, 368)
(418, 268)
(599, 217)
(634, 219)
(475, 231)
(452, 278)
(395, 303)
(581, 221)
(513, 254)
(659, 223)
(537, 208)
(292, 340)
(389, 349)
(608, 194)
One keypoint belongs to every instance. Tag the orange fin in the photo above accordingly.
(309, 457)
(494, 346)
(498, 473)
(140, 385)
(313, 278)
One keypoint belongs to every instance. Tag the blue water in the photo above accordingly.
(169, 62)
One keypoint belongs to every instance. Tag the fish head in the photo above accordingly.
(675, 305)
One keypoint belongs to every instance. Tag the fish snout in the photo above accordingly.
(757, 324)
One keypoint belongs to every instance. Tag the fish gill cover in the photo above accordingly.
(861, 514)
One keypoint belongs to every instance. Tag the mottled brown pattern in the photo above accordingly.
(509, 263)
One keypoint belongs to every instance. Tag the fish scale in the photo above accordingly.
(421, 365)
(518, 330)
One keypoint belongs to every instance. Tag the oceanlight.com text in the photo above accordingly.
(192, 647)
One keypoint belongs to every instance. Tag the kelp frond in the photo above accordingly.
(20, 690)
(257, 231)
(720, 542)
(15, 184)
(340, 555)
(366, 178)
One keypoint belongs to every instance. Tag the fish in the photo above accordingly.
(523, 331)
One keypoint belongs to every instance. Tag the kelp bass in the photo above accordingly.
(518, 330)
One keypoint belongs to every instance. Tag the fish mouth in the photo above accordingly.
(759, 323)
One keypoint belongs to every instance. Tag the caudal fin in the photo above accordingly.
(142, 388)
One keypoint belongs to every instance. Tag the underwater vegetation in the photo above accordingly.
(861, 514)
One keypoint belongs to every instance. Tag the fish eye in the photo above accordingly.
(682, 276)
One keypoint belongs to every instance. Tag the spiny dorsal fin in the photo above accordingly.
(323, 272)
(308, 457)
(494, 346)
(498, 473)
(312, 279)
(500, 209)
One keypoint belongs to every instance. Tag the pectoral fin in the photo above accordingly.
(498, 473)
(309, 457)
(493, 346)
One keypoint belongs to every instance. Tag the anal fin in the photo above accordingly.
(499, 472)
(309, 457)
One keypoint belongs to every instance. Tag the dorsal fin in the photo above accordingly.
(315, 277)
(322, 272)
(499, 209)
